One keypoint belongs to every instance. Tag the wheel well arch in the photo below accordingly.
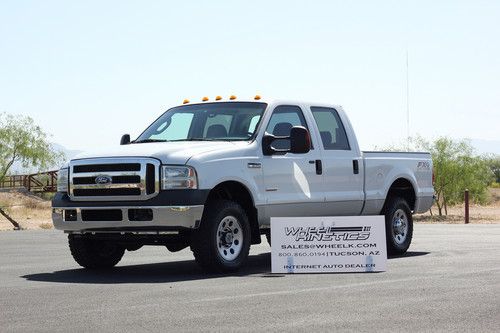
(237, 192)
(402, 188)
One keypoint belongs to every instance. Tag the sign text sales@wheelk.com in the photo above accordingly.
(328, 244)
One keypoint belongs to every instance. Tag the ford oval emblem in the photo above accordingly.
(103, 180)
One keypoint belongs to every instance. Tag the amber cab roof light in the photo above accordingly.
(218, 98)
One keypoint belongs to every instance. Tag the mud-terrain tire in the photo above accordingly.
(398, 226)
(95, 254)
(222, 242)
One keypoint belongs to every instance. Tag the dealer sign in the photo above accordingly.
(328, 244)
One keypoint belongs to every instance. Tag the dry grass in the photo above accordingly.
(30, 211)
(495, 196)
(46, 226)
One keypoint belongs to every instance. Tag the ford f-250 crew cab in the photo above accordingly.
(210, 175)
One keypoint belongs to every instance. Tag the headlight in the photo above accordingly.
(62, 180)
(178, 177)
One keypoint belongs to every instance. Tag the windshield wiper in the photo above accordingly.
(149, 140)
(189, 139)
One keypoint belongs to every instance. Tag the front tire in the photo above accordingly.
(95, 254)
(398, 226)
(222, 242)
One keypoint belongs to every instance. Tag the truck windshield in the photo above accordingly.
(231, 121)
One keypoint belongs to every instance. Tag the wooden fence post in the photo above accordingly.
(466, 199)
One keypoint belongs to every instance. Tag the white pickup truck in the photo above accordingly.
(210, 175)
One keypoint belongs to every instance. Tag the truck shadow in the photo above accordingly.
(175, 271)
(409, 254)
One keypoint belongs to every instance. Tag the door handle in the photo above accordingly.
(355, 167)
(254, 165)
(319, 167)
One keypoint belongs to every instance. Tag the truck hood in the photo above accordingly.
(166, 152)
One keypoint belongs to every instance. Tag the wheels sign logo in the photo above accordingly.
(103, 180)
(310, 234)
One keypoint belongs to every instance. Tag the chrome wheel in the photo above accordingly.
(399, 226)
(229, 238)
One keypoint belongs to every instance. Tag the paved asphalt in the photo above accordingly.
(449, 281)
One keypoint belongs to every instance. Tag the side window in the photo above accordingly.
(283, 119)
(331, 129)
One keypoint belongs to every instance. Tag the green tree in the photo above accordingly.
(456, 169)
(21, 140)
(494, 164)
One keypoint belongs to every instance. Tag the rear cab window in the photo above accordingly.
(331, 129)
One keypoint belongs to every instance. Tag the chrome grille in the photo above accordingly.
(114, 179)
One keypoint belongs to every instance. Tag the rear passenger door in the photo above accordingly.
(343, 181)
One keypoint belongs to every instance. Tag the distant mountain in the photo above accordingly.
(17, 168)
(69, 153)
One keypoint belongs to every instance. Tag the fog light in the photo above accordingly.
(70, 215)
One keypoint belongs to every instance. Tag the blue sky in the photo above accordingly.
(90, 71)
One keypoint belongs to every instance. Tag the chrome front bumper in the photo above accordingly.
(162, 217)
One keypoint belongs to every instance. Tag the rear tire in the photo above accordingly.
(95, 254)
(398, 226)
(222, 242)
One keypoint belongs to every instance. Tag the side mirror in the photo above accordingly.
(125, 140)
(300, 142)
(267, 141)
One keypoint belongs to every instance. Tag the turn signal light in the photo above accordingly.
(257, 97)
(232, 97)
(204, 99)
(218, 98)
(185, 101)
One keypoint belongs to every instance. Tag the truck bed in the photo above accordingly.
(384, 168)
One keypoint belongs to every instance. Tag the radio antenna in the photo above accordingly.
(407, 104)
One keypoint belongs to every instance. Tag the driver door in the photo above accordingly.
(293, 182)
